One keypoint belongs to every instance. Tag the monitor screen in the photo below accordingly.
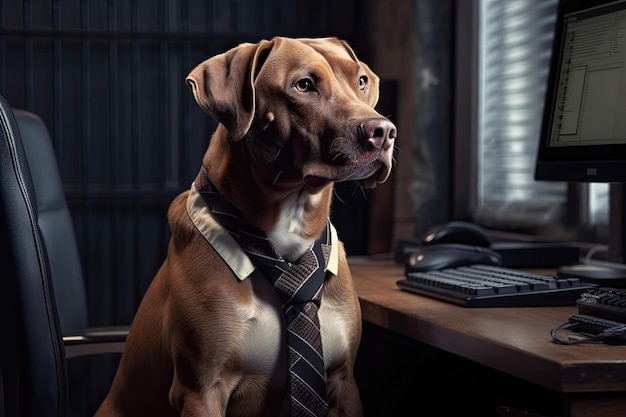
(583, 136)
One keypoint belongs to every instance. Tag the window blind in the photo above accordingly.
(514, 55)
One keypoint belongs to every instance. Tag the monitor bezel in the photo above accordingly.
(596, 163)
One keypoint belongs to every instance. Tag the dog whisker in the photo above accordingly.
(276, 156)
(362, 191)
(276, 179)
(357, 187)
(334, 145)
(337, 196)
(393, 156)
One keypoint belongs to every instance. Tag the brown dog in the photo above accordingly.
(209, 338)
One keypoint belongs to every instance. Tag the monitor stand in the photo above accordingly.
(612, 273)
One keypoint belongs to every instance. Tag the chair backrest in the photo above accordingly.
(32, 359)
(55, 222)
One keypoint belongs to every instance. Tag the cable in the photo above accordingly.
(611, 336)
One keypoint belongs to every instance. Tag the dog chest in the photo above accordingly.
(335, 327)
(262, 341)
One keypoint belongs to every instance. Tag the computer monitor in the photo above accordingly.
(583, 136)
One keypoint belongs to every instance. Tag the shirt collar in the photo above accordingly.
(224, 244)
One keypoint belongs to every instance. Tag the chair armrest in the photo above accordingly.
(95, 341)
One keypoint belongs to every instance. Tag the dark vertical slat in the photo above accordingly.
(18, 86)
(83, 177)
(210, 15)
(58, 77)
(70, 148)
(134, 99)
(185, 126)
(28, 58)
(98, 117)
(113, 98)
(166, 107)
(3, 51)
(136, 117)
(125, 103)
(41, 76)
(42, 14)
(69, 17)
(85, 97)
(3, 58)
(27, 15)
(173, 113)
(115, 138)
(233, 15)
(13, 14)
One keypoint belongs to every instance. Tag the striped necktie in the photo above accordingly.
(299, 286)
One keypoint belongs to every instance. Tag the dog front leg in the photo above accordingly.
(201, 401)
(200, 390)
(343, 394)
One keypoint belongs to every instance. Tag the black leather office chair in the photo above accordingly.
(39, 267)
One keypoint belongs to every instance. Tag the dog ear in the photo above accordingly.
(223, 85)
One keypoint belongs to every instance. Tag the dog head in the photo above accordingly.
(303, 107)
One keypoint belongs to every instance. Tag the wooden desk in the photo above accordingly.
(516, 341)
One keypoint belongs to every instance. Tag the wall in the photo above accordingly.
(412, 40)
(394, 43)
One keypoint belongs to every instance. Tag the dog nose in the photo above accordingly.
(377, 133)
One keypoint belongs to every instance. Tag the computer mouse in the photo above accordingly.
(450, 255)
(458, 232)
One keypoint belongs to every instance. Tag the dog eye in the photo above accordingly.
(304, 85)
(362, 82)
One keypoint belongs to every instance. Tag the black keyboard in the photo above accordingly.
(606, 303)
(494, 286)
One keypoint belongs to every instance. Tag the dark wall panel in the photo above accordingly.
(107, 77)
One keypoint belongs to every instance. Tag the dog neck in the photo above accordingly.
(290, 214)
(291, 235)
